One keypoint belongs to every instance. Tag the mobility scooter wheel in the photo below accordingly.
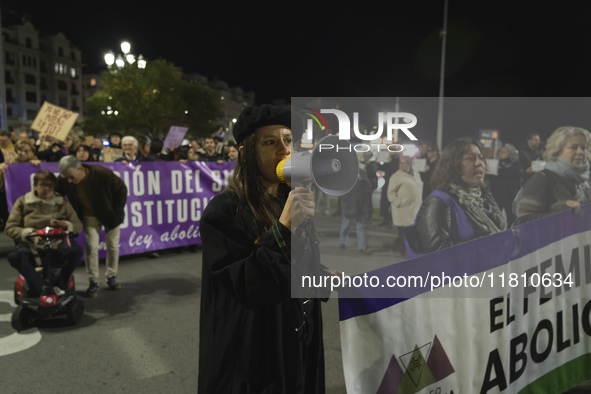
(75, 311)
(23, 318)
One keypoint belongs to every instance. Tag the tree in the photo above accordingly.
(148, 101)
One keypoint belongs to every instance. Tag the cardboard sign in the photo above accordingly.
(419, 165)
(54, 121)
(111, 154)
(175, 137)
(538, 165)
(9, 156)
(492, 166)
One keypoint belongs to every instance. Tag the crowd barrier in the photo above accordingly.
(165, 200)
(527, 333)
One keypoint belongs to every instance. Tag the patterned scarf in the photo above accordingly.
(576, 175)
(477, 206)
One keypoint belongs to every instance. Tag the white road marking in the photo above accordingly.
(142, 359)
(18, 341)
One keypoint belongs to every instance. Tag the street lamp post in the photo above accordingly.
(231, 125)
(441, 79)
(126, 57)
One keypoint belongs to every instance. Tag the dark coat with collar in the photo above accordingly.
(107, 193)
(255, 338)
(437, 227)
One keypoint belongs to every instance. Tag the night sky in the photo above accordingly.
(285, 49)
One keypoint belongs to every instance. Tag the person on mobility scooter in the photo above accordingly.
(42, 208)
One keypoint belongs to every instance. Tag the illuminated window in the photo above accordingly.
(93, 82)
(73, 72)
(57, 68)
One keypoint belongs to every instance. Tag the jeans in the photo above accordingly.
(344, 236)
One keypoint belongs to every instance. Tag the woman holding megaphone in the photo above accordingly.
(254, 337)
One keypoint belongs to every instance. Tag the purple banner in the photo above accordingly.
(165, 200)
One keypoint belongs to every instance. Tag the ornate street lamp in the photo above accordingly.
(125, 58)
(109, 58)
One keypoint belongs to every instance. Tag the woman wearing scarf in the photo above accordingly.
(564, 183)
(460, 208)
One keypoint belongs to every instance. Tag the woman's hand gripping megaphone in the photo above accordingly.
(300, 205)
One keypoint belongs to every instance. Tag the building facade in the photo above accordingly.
(38, 69)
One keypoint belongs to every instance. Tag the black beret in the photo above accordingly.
(251, 118)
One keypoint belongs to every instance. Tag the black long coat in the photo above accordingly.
(254, 338)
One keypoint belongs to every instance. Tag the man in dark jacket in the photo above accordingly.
(353, 205)
(99, 197)
(529, 153)
(210, 152)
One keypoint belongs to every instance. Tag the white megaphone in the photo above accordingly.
(332, 166)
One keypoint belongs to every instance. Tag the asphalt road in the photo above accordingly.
(144, 337)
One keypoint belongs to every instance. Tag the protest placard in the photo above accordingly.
(54, 121)
(492, 166)
(419, 165)
(111, 154)
(175, 137)
(538, 165)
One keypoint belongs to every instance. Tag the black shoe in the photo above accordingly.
(92, 290)
(112, 283)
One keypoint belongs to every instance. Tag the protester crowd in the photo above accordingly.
(530, 182)
(28, 147)
(96, 197)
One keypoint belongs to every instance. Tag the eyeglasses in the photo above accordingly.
(473, 158)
